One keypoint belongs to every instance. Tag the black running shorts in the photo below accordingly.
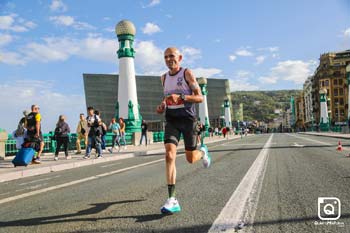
(187, 127)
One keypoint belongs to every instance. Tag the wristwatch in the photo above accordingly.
(182, 96)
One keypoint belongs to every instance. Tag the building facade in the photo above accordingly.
(331, 75)
(307, 90)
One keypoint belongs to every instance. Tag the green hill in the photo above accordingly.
(261, 105)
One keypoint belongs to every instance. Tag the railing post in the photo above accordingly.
(3, 139)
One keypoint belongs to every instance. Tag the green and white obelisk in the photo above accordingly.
(324, 121)
(127, 106)
(203, 107)
(227, 113)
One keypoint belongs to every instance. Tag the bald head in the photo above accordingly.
(173, 58)
(172, 50)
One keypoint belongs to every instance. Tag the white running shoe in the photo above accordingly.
(206, 157)
(171, 206)
(56, 158)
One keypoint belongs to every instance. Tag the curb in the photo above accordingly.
(82, 163)
(324, 135)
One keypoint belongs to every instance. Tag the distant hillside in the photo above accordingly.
(261, 105)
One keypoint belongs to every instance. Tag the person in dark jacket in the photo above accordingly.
(61, 134)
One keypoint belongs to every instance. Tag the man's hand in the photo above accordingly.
(160, 108)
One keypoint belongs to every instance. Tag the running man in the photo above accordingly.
(181, 92)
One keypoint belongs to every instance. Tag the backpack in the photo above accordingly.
(20, 130)
(58, 132)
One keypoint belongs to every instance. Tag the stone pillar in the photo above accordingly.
(127, 105)
(203, 107)
(3, 139)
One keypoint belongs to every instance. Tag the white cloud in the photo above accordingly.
(152, 3)
(347, 33)
(149, 58)
(291, 70)
(94, 47)
(14, 23)
(232, 58)
(190, 54)
(19, 95)
(260, 59)
(11, 58)
(238, 85)
(150, 28)
(270, 49)
(269, 80)
(5, 39)
(205, 72)
(69, 21)
(244, 53)
(111, 29)
(243, 74)
(97, 48)
(58, 6)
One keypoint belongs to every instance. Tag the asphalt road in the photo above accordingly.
(126, 195)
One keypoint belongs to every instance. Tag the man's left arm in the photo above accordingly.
(196, 96)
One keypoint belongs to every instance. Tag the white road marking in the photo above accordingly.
(38, 180)
(243, 202)
(110, 165)
(297, 145)
(309, 139)
(32, 193)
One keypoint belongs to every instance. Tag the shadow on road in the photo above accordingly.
(95, 209)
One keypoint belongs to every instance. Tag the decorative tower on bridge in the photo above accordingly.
(227, 113)
(203, 107)
(127, 105)
(324, 121)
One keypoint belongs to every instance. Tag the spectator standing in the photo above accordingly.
(61, 134)
(122, 131)
(143, 131)
(82, 133)
(115, 128)
(34, 134)
(224, 131)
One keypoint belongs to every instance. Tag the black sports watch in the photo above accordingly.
(182, 96)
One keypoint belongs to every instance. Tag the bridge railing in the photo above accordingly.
(50, 144)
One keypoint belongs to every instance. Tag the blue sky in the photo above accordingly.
(46, 46)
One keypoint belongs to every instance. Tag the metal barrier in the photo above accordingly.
(50, 144)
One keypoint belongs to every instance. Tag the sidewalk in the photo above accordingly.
(328, 134)
(9, 172)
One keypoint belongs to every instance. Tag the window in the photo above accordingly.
(322, 84)
(341, 101)
(342, 112)
(340, 81)
(336, 101)
(335, 81)
(326, 83)
(341, 91)
(336, 112)
(336, 92)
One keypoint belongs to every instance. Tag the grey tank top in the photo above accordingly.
(177, 84)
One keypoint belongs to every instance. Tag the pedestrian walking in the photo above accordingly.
(95, 133)
(82, 133)
(104, 131)
(181, 92)
(122, 132)
(62, 136)
(115, 128)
